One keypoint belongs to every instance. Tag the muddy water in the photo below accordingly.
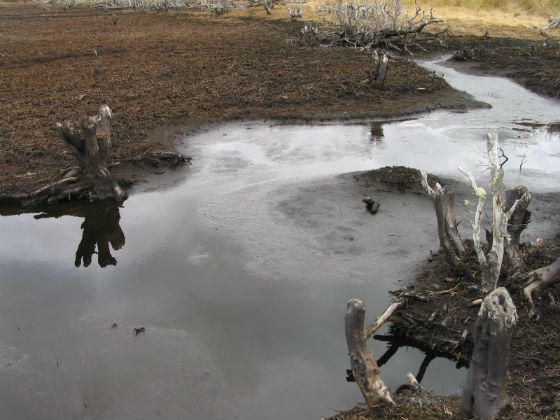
(240, 274)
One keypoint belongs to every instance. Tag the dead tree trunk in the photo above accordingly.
(484, 390)
(448, 233)
(540, 279)
(362, 362)
(379, 70)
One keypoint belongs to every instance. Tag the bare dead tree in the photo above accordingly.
(364, 366)
(491, 263)
(381, 24)
(485, 387)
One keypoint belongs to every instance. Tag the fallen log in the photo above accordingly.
(485, 387)
(364, 366)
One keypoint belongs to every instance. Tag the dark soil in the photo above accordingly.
(438, 309)
(533, 64)
(164, 72)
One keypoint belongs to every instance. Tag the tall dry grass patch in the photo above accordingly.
(546, 7)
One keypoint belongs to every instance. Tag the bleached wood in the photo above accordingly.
(540, 279)
(372, 329)
(485, 388)
(364, 366)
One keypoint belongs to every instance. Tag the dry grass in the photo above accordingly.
(477, 17)
(541, 7)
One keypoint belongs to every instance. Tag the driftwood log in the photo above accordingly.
(485, 387)
(364, 366)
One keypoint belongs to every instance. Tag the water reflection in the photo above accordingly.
(394, 344)
(101, 230)
(376, 132)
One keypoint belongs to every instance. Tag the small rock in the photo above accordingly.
(371, 205)
(139, 330)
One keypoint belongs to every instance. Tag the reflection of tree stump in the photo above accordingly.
(485, 388)
(101, 228)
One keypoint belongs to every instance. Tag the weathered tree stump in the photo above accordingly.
(364, 366)
(517, 223)
(448, 232)
(379, 71)
(485, 387)
(91, 144)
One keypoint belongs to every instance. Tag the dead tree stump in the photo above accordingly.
(362, 362)
(517, 222)
(485, 387)
(91, 144)
(379, 71)
(448, 232)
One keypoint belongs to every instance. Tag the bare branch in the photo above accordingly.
(372, 329)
